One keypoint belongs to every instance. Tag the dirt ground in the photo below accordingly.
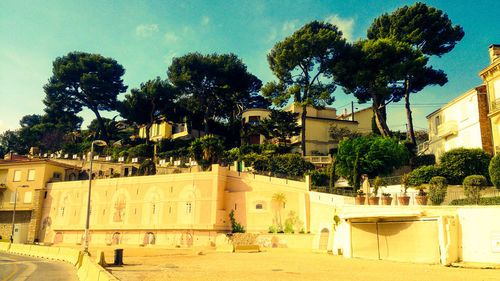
(278, 264)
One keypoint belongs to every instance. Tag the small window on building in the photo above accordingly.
(17, 175)
(258, 206)
(154, 208)
(284, 205)
(45, 195)
(235, 207)
(188, 208)
(27, 197)
(437, 122)
(61, 212)
(31, 175)
(57, 175)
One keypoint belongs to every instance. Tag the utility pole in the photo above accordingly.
(352, 111)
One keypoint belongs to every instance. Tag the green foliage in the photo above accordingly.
(289, 227)
(473, 185)
(338, 134)
(378, 182)
(145, 105)
(212, 85)
(319, 177)
(236, 226)
(206, 150)
(273, 229)
(459, 163)
(147, 168)
(281, 125)
(423, 175)
(494, 171)
(141, 150)
(85, 80)
(303, 64)
(482, 201)
(287, 165)
(422, 160)
(369, 155)
(437, 190)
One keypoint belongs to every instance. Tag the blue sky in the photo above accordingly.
(143, 36)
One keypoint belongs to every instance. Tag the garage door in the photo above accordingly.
(413, 240)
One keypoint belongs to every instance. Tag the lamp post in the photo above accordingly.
(99, 143)
(14, 213)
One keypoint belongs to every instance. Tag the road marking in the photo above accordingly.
(12, 274)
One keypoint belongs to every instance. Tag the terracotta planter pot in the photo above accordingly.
(404, 200)
(360, 200)
(374, 200)
(421, 200)
(386, 201)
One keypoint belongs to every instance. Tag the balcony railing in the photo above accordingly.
(318, 159)
(447, 129)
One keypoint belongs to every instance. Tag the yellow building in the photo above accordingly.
(163, 129)
(491, 77)
(463, 122)
(318, 123)
(176, 210)
(29, 177)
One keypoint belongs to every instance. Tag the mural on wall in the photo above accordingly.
(119, 208)
(271, 242)
(46, 233)
(149, 238)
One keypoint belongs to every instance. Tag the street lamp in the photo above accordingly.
(14, 213)
(99, 143)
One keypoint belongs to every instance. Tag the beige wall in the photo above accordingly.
(175, 207)
(157, 132)
(460, 118)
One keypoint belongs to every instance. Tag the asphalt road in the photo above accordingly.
(20, 268)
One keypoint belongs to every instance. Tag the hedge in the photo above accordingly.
(437, 190)
(459, 163)
(472, 187)
(494, 171)
(423, 175)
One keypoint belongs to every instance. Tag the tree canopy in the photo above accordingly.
(215, 86)
(281, 125)
(85, 80)
(145, 105)
(427, 30)
(303, 64)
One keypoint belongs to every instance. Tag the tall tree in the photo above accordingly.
(213, 84)
(303, 63)
(145, 105)
(281, 125)
(426, 29)
(370, 70)
(86, 80)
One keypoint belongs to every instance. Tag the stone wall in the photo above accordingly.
(23, 217)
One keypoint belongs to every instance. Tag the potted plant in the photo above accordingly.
(377, 183)
(404, 199)
(386, 199)
(421, 197)
(360, 198)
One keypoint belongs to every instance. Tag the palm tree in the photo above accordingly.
(280, 199)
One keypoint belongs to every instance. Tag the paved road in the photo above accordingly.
(20, 268)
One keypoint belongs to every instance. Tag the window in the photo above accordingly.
(188, 208)
(56, 175)
(258, 206)
(31, 175)
(253, 120)
(235, 207)
(61, 212)
(27, 197)
(436, 124)
(17, 175)
(154, 208)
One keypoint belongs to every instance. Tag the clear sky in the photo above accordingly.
(143, 36)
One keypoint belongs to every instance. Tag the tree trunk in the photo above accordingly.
(101, 125)
(148, 131)
(303, 130)
(408, 115)
(205, 120)
(379, 118)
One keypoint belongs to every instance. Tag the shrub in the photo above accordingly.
(482, 201)
(472, 187)
(141, 150)
(494, 170)
(319, 177)
(273, 229)
(422, 160)
(378, 182)
(459, 163)
(287, 164)
(423, 175)
(289, 226)
(237, 227)
(437, 190)
(147, 168)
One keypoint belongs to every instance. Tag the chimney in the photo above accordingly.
(494, 52)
